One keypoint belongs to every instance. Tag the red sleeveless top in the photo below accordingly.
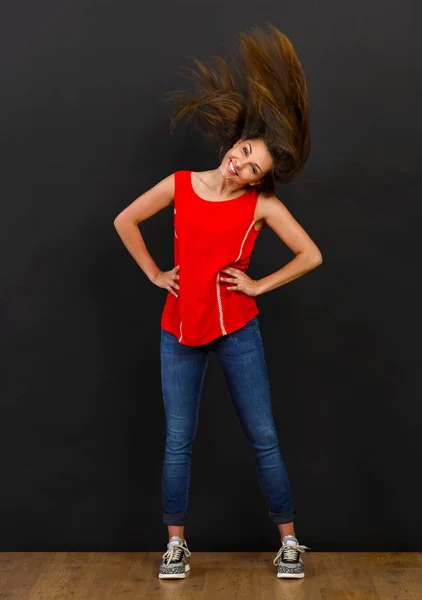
(209, 236)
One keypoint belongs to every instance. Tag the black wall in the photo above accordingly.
(84, 132)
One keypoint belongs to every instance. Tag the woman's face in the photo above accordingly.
(250, 160)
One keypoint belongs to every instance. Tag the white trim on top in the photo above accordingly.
(244, 239)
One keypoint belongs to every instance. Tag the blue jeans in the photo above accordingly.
(241, 356)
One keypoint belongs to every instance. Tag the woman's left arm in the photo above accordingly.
(308, 256)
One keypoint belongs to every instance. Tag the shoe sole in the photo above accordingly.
(290, 575)
(174, 575)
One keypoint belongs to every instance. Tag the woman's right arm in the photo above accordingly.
(127, 226)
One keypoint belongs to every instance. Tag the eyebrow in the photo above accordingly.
(251, 153)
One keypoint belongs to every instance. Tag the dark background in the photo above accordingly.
(85, 130)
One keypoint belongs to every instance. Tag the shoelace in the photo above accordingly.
(175, 552)
(290, 552)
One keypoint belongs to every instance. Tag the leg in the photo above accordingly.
(178, 530)
(241, 356)
(182, 373)
(286, 529)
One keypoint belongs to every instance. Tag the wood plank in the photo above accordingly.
(19, 572)
(94, 576)
(67, 575)
(229, 575)
(222, 575)
(398, 583)
(342, 572)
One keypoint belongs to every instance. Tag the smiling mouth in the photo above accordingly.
(231, 167)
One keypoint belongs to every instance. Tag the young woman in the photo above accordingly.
(262, 123)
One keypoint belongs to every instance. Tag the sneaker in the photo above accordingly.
(175, 562)
(288, 560)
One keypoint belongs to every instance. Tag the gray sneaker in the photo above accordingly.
(175, 562)
(288, 560)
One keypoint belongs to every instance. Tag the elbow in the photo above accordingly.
(117, 221)
(316, 259)
(122, 220)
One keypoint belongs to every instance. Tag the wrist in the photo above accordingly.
(154, 277)
(258, 287)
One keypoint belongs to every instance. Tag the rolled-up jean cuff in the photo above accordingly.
(284, 517)
(174, 518)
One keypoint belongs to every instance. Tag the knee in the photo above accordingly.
(266, 439)
(179, 442)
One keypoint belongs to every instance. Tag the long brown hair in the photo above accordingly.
(263, 95)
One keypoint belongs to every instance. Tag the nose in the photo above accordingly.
(240, 163)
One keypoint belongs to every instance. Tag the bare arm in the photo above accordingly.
(126, 224)
(308, 255)
(277, 216)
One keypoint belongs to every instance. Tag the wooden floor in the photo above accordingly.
(213, 576)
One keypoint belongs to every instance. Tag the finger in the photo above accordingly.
(176, 286)
(172, 291)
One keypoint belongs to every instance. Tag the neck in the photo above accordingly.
(221, 185)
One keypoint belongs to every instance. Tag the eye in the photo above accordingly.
(253, 168)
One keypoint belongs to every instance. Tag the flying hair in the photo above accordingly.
(261, 94)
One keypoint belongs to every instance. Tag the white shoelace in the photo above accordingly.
(290, 552)
(175, 552)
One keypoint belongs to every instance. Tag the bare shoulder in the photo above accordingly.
(277, 216)
(150, 202)
(269, 203)
(269, 207)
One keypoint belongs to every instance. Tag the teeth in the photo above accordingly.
(231, 168)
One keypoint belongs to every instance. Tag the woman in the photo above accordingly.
(261, 121)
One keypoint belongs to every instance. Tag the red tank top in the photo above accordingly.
(209, 236)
